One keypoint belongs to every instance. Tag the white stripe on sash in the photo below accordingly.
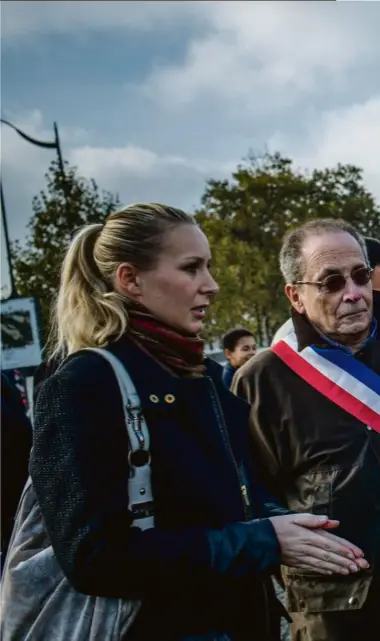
(336, 375)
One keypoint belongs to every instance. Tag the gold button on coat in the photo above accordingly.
(154, 398)
(169, 398)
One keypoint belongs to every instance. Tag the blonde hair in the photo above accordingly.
(88, 311)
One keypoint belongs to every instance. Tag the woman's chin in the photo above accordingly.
(194, 327)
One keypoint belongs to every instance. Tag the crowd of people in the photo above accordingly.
(266, 470)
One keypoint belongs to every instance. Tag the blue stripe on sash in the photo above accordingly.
(351, 365)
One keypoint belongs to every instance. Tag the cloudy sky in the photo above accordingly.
(153, 98)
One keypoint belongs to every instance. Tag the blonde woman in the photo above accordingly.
(140, 285)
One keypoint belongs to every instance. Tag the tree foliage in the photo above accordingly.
(58, 211)
(245, 219)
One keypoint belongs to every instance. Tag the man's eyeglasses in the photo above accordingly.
(336, 282)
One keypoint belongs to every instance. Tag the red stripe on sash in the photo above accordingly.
(325, 386)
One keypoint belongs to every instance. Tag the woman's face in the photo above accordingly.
(179, 289)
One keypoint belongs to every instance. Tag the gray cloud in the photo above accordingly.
(31, 19)
(269, 55)
(298, 77)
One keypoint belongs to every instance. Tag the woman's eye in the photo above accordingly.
(191, 268)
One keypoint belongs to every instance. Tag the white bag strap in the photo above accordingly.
(139, 483)
(138, 435)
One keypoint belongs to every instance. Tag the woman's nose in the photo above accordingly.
(211, 286)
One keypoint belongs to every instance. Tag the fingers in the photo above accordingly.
(324, 544)
(328, 560)
(314, 562)
(311, 563)
(323, 523)
(331, 543)
(311, 520)
(362, 563)
(357, 553)
(330, 524)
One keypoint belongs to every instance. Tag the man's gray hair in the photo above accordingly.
(291, 259)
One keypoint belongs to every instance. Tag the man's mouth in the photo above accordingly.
(349, 314)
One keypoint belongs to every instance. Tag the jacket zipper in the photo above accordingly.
(223, 429)
(243, 488)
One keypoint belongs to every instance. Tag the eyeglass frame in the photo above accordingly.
(321, 283)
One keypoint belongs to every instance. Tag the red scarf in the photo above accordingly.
(181, 353)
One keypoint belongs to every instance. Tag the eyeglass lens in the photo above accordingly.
(336, 282)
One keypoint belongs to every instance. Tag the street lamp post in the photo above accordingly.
(55, 144)
(13, 293)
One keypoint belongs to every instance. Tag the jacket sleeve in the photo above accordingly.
(270, 505)
(80, 475)
(269, 445)
(242, 385)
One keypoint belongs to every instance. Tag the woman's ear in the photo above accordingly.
(127, 281)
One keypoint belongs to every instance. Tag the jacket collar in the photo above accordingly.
(307, 334)
(157, 386)
(229, 368)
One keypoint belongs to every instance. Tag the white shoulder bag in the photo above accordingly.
(37, 601)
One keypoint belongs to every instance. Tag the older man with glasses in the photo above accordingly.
(315, 421)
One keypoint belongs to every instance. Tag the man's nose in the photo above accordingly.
(352, 292)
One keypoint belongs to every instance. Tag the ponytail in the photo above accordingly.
(87, 311)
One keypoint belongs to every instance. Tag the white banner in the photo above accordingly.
(20, 339)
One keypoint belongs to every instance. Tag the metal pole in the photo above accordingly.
(39, 143)
(61, 166)
(59, 151)
(13, 293)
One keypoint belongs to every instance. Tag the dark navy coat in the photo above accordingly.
(201, 571)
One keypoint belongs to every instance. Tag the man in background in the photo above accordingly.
(239, 346)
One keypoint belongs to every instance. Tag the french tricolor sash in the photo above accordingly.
(335, 374)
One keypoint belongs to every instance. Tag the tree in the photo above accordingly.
(245, 220)
(58, 211)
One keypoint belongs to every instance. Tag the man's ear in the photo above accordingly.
(127, 281)
(293, 294)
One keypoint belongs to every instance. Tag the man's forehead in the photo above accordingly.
(332, 250)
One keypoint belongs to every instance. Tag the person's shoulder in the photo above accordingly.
(83, 362)
(262, 360)
(82, 370)
(214, 369)
(283, 331)
(221, 376)
(265, 361)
